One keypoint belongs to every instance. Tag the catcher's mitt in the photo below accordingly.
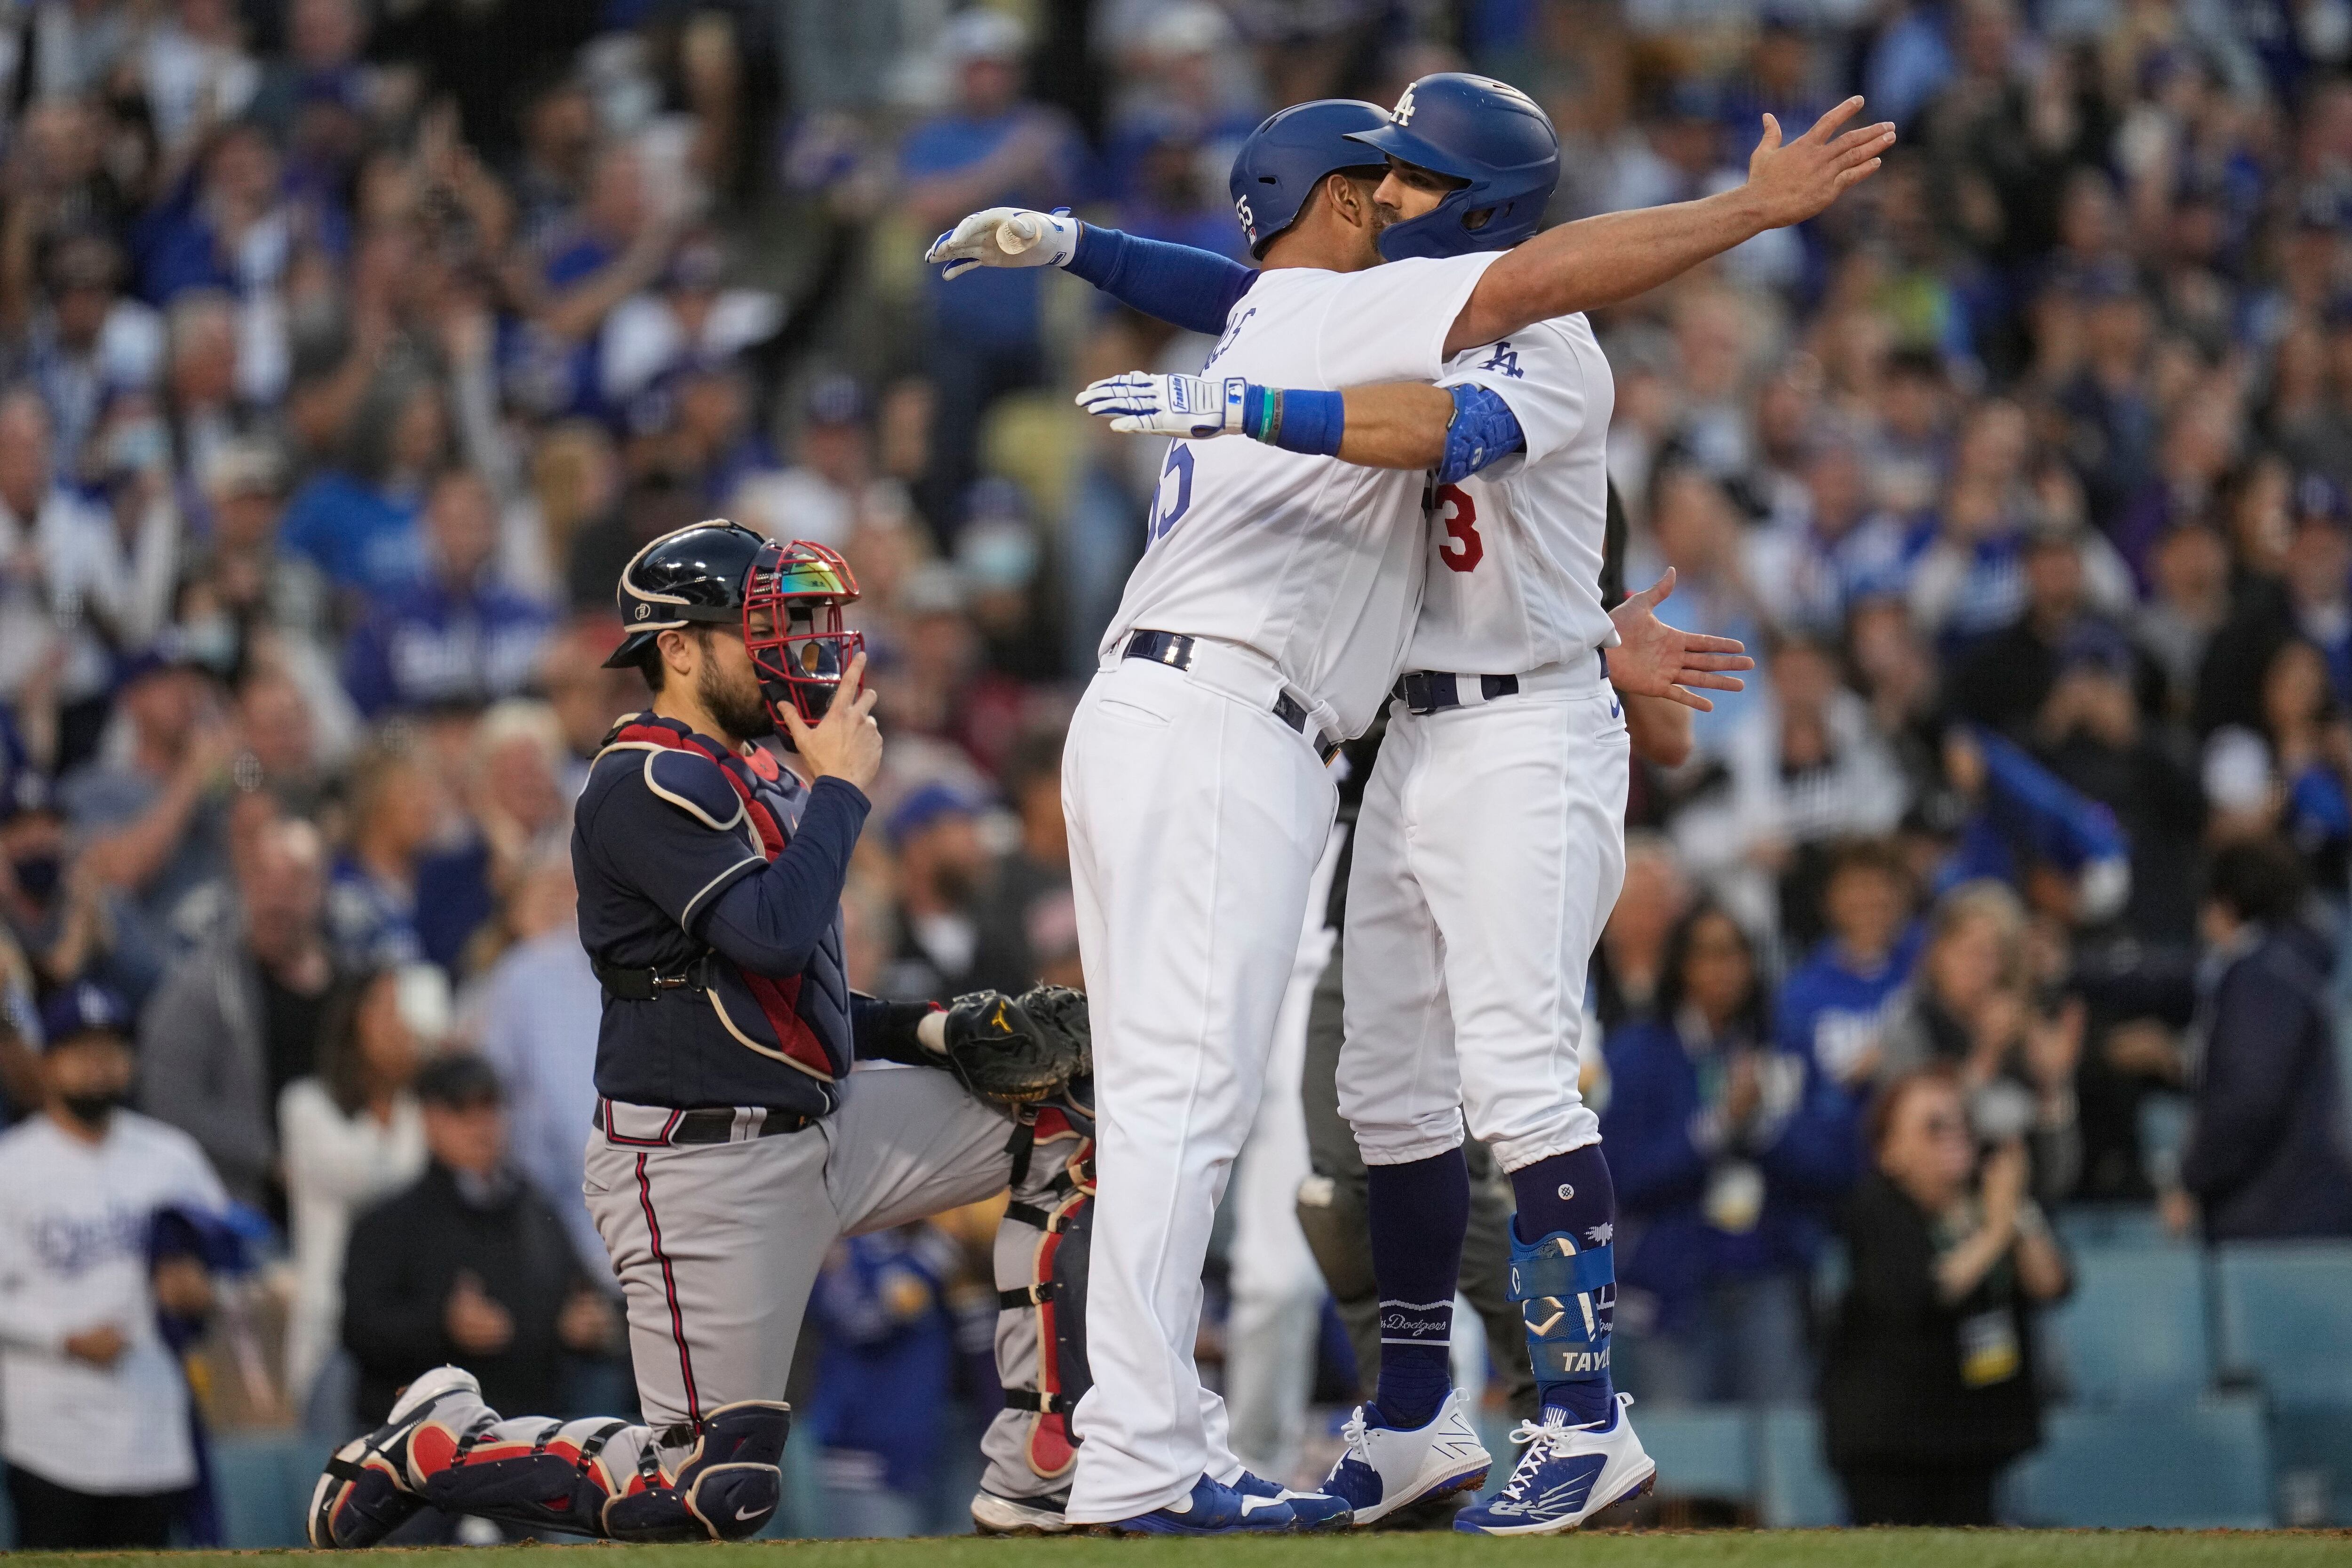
(1002, 1052)
(1063, 1011)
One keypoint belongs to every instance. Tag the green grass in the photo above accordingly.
(1703, 1549)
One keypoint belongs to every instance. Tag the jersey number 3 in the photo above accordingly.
(1170, 502)
(1461, 518)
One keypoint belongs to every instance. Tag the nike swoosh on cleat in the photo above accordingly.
(743, 1513)
(1250, 1505)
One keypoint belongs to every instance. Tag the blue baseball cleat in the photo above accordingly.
(1389, 1467)
(1315, 1510)
(1210, 1509)
(1566, 1475)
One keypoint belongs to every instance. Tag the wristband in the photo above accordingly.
(1306, 422)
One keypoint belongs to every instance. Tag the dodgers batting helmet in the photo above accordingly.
(1289, 152)
(720, 573)
(1482, 131)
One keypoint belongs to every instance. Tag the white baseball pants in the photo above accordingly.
(1196, 819)
(1489, 852)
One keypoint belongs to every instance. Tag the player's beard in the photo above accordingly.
(735, 705)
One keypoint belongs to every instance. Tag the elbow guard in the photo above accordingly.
(1483, 431)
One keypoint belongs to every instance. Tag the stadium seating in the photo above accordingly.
(2134, 1327)
(2286, 1326)
(1795, 1489)
(2177, 1465)
(1701, 1451)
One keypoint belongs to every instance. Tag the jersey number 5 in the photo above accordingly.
(1169, 503)
(1461, 518)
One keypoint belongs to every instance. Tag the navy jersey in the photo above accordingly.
(684, 851)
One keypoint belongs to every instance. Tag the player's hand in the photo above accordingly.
(1006, 237)
(1793, 180)
(1193, 406)
(1654, 659)
(846, 743)
(100, 1347)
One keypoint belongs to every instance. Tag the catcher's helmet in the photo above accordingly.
(1475, 129)
(722, 574)
(1279, 165)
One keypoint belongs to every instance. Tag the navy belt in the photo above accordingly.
(712, 1125)
(1428, 690)
(1174, 649)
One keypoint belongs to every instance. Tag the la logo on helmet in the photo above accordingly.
(1403, 113)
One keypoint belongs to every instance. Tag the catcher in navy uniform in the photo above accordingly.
(733, 1144)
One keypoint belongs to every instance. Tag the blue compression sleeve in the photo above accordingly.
(1309, 422)
(1483, 431)
(1173, 283)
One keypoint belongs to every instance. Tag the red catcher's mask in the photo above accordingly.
(800, 588)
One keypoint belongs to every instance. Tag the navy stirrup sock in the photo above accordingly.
(1419, 1214)
(1564, 1274)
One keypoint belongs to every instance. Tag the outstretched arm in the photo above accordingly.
(1178, 284)
(1600, 260)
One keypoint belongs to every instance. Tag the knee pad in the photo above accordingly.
(727, 1488)
(1568, 1300)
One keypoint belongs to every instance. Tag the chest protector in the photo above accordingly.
(802, 1020)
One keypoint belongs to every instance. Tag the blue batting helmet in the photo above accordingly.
(1283, 158)
(1481, 130)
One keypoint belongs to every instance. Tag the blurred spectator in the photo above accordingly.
(2309, 598)
(986, 335)
(935, 834)
(395, 815)
(352, 1134)
(2006, 682)
(516, 809)
(1727, 1154)
(2266, 1154)
(1971, 1009)
(358, 525)
(1630, 960)
(238, 1018)
(1834, 1007)
(890, 1344)
(94, 1408)
(89, 339)
(1026, 919)
(1929, 1384)
(536, 1018)
(456, 636)
(820, 496)
(587, 697)
(469, 1265)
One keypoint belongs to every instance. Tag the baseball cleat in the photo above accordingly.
(1387, 1467)
(1566, 1475)
(1209, 1509)
(993, 1515)
(1315, 1510)
(363, 1494)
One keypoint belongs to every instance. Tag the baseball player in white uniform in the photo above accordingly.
(1277, 587)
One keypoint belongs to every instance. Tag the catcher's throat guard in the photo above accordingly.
(792, 627)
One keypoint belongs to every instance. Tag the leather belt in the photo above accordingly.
(1434, 691)
(644, 984)
(655, 1126)
(1175, 650)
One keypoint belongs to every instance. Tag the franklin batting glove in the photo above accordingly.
(1138, 404)
(1007, 236)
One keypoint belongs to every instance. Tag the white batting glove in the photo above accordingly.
(1007, 236)
(1138, 404)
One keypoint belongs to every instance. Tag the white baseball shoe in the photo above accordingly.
(994, 1515)
(1566, 1475)
(1387, 1467)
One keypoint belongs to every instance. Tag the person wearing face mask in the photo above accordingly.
(93, 1406)
(66, 925)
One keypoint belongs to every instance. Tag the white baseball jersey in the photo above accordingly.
(1314, 562)
(1513, 580)
(74, 1218)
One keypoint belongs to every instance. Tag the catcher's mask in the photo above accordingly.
(792, 599)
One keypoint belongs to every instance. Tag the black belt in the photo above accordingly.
(716, 1125)
(1174, 649)
(1428, 690)
(644, 984)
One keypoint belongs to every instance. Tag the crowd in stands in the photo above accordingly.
(349, 348)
